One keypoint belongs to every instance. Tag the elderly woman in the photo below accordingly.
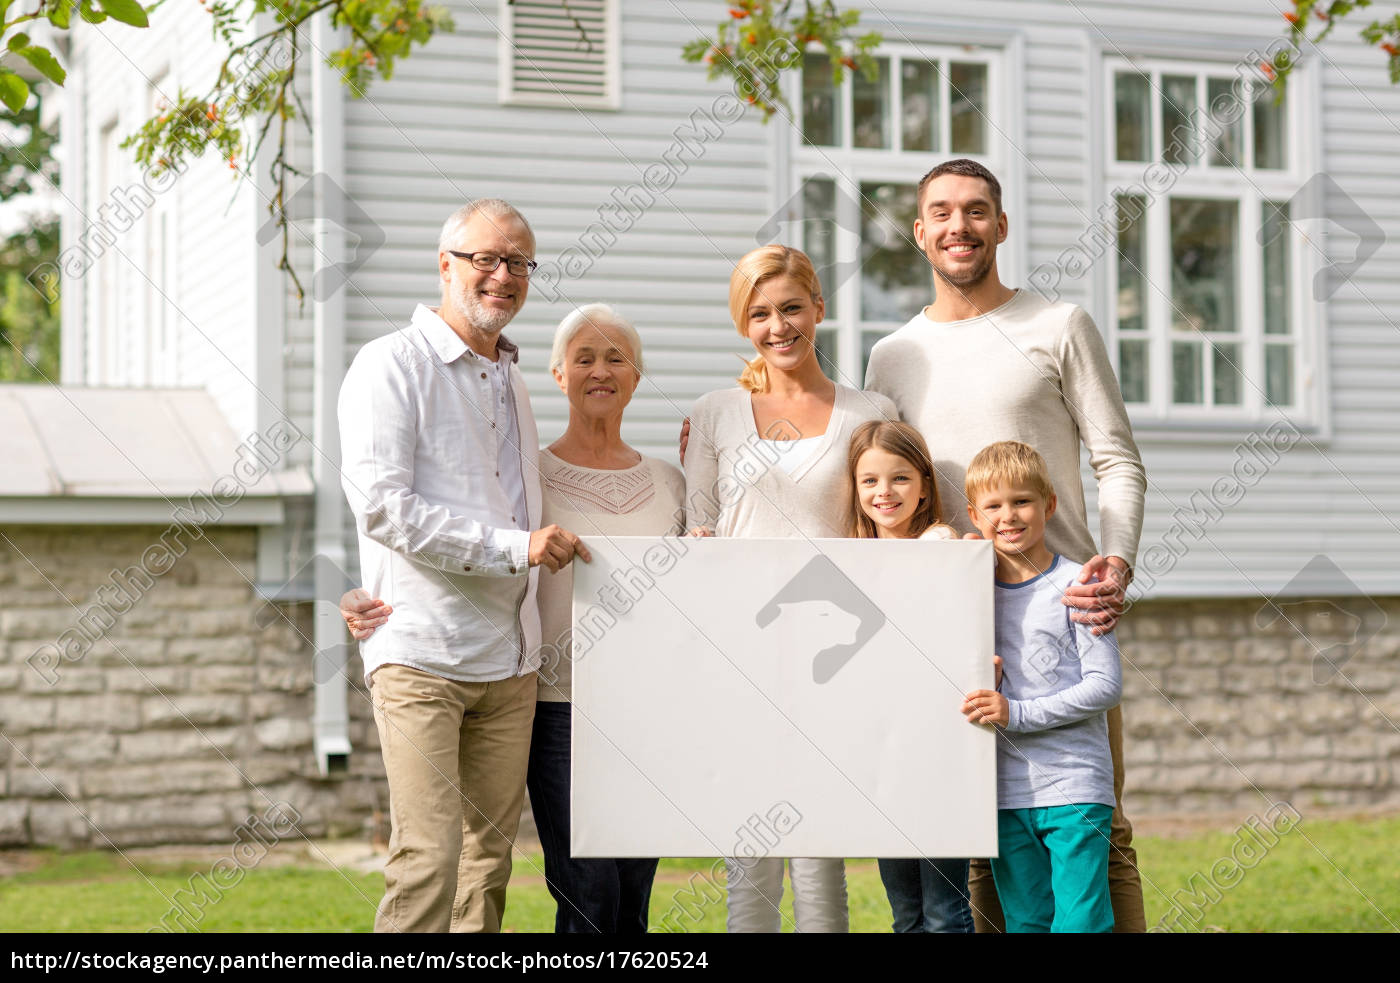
(595, 485)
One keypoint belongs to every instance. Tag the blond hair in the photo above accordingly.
(904, 441)
(1008, 462)
(756, 267)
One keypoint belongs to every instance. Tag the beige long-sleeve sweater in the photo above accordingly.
(733, 485)
(1032, 371)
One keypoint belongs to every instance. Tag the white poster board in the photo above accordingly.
(781, 697)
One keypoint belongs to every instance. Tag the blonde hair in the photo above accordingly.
(756, 267)
(904, 441)
(1008, 462)
(596, 314)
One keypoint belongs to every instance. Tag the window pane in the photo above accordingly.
(1179, 144)
(1133, 116)
(920, 105)
(826, 351)
(821, 104)
(895, 278)
(1132, 262)
(1226, 369)
(870, 107)
(1270, 151)
(1132, 370)
(1186, 372)
(1275, 238)
(1228, 148)
(819, 235)
(968, 99)
(1278, 375)
(867, 342)
(1203, 236)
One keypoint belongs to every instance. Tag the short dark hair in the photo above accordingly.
(966, 168)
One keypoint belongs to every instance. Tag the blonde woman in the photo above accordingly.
(785, 405)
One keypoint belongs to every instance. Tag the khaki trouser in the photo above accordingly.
(1124, 886)
(455, 755)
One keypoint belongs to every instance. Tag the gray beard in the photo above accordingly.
(478, 316)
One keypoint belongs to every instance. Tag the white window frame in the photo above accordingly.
(612, 66)
(1251, 188)
(852, 166)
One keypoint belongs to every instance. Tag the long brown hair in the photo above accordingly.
(903, 441)
(749, 274)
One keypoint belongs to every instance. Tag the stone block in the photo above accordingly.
(59, 824)
(76, 747)
(1264, 651)
(65, 677)
(212, 651)
(160, 745)
(210, 597)
(1205, 652)
(223, 679)
(14, 823)
(284, 678)
(30, 782)
(1369, 679)
(20, 714)
(1149, 655)
(9, 678)
(125, 650)
(38, 622)
(165, 778)
(185, 710)
(111, 711)
(202, 814)
(148, 679)
(1247, 680)
(1182, 682)
(264, 706)
(217, 624)
(284, 733)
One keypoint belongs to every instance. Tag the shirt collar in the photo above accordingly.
(449, 345)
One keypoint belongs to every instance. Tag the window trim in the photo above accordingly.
(1159, 416)
(612, 67)
(850, 166)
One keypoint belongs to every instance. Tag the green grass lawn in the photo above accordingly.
(1324, 876)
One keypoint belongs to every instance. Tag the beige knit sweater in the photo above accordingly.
(1032, 371)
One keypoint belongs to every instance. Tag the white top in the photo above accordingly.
(732, 482)
(441, 538)
(1032, 371)
(792, 454)
(643, 500)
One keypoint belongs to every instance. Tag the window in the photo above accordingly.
(860, 150)
(560, 53)
(1207, 284)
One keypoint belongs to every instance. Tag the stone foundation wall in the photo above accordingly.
(180, 720)
(1230, 704)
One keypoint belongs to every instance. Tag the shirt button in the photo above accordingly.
(483, 375)
(468, 569)
(493, 426)
(512, 569)
(498, 474)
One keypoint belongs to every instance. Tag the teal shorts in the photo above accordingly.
(1052, 875)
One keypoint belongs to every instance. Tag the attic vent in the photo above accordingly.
(560, 53)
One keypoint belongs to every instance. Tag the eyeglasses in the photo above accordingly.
(488, 262)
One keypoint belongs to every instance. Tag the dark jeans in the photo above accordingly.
(926, 895)
(609, 896)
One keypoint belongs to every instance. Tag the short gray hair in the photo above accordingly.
(490, 207)
(600, 314)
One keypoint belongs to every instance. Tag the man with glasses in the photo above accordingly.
(440, 464)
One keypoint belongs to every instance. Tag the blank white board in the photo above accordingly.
(781, 697)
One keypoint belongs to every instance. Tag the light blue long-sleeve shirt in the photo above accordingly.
(1059, 680)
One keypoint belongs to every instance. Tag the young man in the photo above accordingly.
(1054, 772)
(985, 363)
(440, 464)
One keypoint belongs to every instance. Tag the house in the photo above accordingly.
(1240, 257)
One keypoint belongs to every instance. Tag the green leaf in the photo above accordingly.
(126, 11)
(20, 40)
(89, 13)
(60, 14)
(45, 62)
(14, 91)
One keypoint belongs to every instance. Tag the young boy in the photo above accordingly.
(1054, 773)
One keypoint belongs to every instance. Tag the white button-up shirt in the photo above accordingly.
(443, 501)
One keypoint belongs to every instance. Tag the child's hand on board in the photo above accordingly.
(985, 706)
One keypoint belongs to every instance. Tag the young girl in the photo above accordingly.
(894, 496)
